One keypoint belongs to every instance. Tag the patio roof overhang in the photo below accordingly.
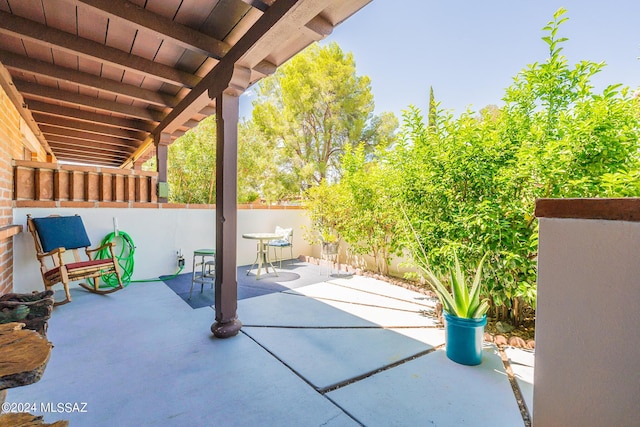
(99, 81)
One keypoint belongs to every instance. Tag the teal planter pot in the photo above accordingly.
(464, 339)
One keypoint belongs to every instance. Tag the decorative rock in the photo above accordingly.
(531, 344)
(488, 337)
(517, 342)
(500, 340)
(438, 309)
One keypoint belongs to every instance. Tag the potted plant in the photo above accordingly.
(464, 313)
(329, 241)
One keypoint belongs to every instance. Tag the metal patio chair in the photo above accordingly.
(285, 242)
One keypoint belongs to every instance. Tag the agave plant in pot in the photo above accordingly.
(464, 313)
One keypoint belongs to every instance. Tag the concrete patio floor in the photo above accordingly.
(347, 351)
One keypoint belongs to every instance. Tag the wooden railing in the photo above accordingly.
(51, 184)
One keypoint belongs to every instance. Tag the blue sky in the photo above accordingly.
(469, 51)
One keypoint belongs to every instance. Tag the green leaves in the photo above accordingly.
(461, 301)
(471, 185)
(553, 27)
(314, 107)
(191, 165)
(360, 208)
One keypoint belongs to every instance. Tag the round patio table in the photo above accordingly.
(262, 252)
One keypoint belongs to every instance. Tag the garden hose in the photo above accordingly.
(125, 261)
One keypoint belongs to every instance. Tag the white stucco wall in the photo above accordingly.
(158, 234)
(588, 324)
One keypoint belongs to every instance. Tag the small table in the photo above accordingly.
(262, 253)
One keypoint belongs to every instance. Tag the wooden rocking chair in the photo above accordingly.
(56, 235)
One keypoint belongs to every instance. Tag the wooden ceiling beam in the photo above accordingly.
(61, 122)
(320, 26)
(207, 111)
(71, 146)
(67, 156)
(16, 26)
(48, 130)
(189, 125)
(21, 63)
(66, 150)
(88, 116)
(265, 68)
(58, 139)
(161, 27)
(16, 98)
(140, 152)
(31, 89)
(258, 4)
(217, 80)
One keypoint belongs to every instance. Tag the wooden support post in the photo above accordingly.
(226, 282)
(162, 150)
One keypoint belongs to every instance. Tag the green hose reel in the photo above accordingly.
(124, 252)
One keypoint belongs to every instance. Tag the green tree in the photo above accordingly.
(372, 222)
(191, 165)
(311, 109)
(432, 109)
(471, 185)
(258, 174)
(325, 206)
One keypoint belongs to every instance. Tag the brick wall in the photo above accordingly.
(11, 147)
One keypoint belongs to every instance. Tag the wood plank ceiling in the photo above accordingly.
(102, 78)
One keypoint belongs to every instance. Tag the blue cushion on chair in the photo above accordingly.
(280, 243)
(61, 232)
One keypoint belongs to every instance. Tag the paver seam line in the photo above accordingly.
(328, 422)
(522, 405)
(377, 371)
(520, 364)
(425, 313)
(344, 327)
(323, 391)
(349, 414)
(381, 295)
(299, 376)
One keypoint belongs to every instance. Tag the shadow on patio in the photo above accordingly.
(317, 350)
